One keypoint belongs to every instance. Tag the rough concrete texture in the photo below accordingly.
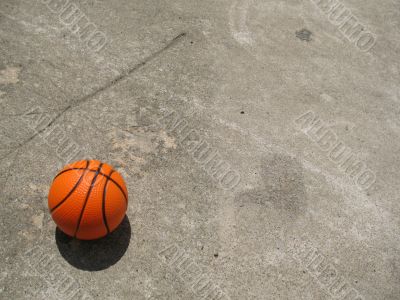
(269, 90)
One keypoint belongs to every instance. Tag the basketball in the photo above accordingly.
(88, 199)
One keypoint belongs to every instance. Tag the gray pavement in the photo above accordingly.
(259, 141)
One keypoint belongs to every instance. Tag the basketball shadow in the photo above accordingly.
(95, 255)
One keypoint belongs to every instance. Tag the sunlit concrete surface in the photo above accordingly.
(259, 141)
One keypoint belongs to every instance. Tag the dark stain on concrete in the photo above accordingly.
(282, 191)
(304, 35)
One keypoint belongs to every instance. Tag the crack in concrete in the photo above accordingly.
(79, 101)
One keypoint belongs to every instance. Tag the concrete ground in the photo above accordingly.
(259, 141)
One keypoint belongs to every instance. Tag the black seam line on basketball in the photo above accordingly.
(120, 188)
(71, 191)
(107, 176)
(87, 198)
(104, 203)
(62, 172)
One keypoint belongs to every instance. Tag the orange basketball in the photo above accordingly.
(88, 199)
